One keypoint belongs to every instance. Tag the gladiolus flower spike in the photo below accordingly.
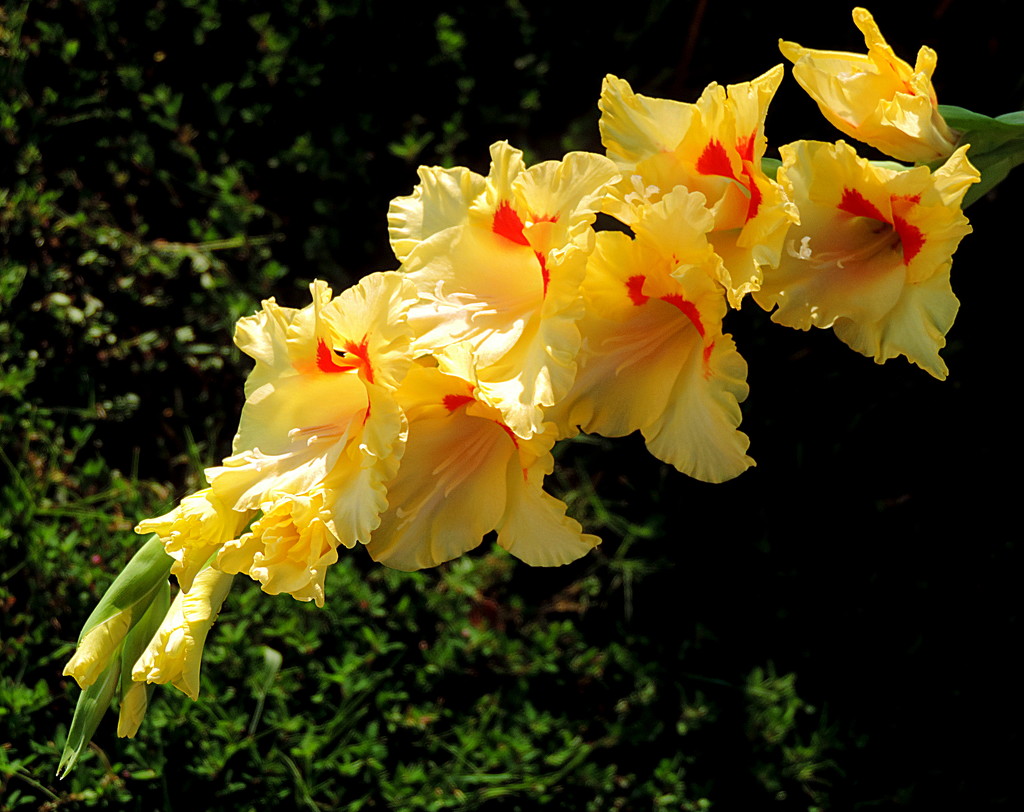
(416, 412)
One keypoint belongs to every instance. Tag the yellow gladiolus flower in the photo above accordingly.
(290, 546)
(876, 97)
(872, 254)
(497, 263)
(464, 474)
(713, 147)
(175, 653)
(320, 403)
(656, 359)
(194, 531)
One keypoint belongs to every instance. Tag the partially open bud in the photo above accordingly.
(876, 97)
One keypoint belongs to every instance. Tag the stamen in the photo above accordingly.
(803, 252)
(885, 238)
(641, 194)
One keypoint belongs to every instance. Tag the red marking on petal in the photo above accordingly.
(507, 224)
(708, 349)
(745, 146)
(362, 352)
(510, 433)
(453, 402)
(855, 203)
(911, 238)
(715, 161)
(908, 198)
(352, 357)
(366, 416)
(515, 442)
(755, 196)
(325, 359)
(545, 274)
(635, 289)
(688, 309)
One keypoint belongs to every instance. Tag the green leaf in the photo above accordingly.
(92, 704)
(997, 145)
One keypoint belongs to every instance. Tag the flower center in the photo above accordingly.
(879, 240)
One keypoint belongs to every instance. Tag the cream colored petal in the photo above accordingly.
(535, 528)
(916, 326)
(449, 492)
(441, 200)
(635, 127)
(698, 431)
(194, 531)
(367, 326)
(175, 653)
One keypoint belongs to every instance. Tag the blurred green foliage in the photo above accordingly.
(170, 163)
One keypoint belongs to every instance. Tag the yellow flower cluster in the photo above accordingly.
(415, 412)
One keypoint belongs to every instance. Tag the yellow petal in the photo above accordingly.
(635, 127)
(656, 360)
(133, 710)
(290, 546)
(714, 148)
(440, 200)
(505, 281)
(367, 327)
(876, 97)
(194, 531)
(916, 327)
(535, 528)
(175, 653)
(92, 656)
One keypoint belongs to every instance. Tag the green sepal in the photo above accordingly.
(997, 145)
(118, 611)
(138, 580)
(93, 702)
(135, 642)
(770, 166)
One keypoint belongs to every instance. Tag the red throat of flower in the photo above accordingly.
(910, 236)
(507, 223)
(353, 356)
